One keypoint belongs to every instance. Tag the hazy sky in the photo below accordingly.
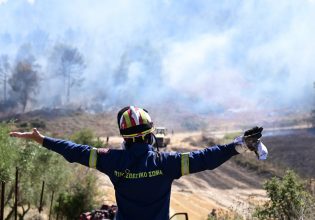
(214, 55)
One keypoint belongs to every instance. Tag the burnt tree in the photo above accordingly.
(4, 73)
(68, 63)
(24, 82)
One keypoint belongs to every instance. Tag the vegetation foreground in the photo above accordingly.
(75, 194)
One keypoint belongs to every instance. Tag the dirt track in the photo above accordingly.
(227, 187)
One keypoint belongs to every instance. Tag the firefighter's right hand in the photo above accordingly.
(249, 141)
(34, 135)
(252, 136)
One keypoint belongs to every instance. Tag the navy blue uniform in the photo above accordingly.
(142, 177)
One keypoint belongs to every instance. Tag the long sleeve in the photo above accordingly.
(179, 164)
(72, 152)
(211, 157)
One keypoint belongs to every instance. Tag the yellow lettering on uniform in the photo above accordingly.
(154, 173)
(138, 175)
(117, 173)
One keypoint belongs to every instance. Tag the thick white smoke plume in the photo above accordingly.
(211, 56)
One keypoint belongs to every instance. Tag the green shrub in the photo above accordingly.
(23, 125)
(37, 123)
(80, 198)
(87, 137)
(36, 164)
(289, 199)
(8, 153)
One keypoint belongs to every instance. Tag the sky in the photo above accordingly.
(206, 55)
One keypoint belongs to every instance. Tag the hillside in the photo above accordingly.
(62, 122)
(65, 121)
(236, 185)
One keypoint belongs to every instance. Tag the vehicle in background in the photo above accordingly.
(162, 140)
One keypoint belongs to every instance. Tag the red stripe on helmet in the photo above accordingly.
(133, 122)
(140, 120)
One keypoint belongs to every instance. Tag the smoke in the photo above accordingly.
(209, 56)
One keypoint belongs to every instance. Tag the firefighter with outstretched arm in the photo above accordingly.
(142, 177)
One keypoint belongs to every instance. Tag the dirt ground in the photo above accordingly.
(226, 188)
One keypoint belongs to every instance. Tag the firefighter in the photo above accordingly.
(142, 177)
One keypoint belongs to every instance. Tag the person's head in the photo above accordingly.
(135, 125)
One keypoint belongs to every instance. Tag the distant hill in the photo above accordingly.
(65, 121)
(62, 121)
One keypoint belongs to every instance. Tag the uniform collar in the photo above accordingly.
(140, 148)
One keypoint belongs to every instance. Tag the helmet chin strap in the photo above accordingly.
(153, 141)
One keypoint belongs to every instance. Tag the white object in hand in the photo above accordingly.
(262, 151)
(241, 147)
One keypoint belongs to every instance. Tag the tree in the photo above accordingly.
(35, 165)
(75, 187)
(289, 199)
(4, 71)
(24, 82)
(68, 63)
(8, 153)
